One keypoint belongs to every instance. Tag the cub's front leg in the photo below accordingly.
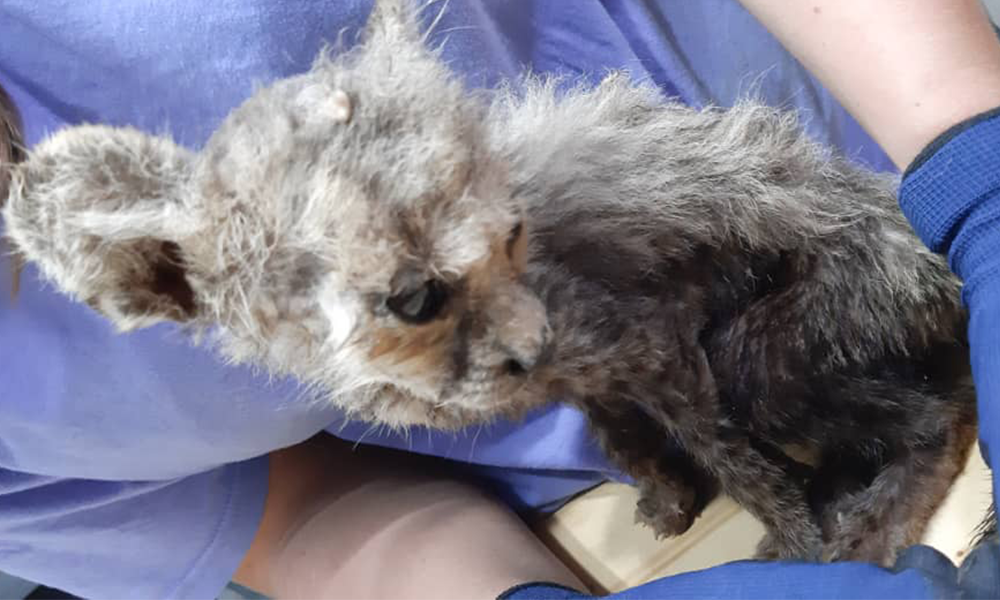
(681, 397)
(690, 407)
(673, 489)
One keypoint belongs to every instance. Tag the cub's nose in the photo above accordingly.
(525, 358)
(523, 336)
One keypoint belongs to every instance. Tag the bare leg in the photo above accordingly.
(381, 524)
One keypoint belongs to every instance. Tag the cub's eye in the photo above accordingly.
(419, 305)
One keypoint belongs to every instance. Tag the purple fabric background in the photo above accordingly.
(129, 465)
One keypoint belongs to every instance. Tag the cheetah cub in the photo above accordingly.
(735, 309)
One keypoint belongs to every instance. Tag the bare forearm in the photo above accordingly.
(907, 70)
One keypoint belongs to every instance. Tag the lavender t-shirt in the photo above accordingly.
(130, 465)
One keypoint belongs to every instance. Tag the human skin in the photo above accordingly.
(345, 522)
(906, 70)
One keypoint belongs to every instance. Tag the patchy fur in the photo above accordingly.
(709, 280)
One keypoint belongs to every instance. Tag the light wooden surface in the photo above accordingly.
(597, 536)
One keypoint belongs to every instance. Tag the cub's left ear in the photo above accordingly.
(104, 215)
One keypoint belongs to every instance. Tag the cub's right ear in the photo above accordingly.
(103, 214)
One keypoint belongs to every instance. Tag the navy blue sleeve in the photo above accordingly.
(920, 573)
(951, 195)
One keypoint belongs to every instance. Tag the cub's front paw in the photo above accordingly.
(667, 510)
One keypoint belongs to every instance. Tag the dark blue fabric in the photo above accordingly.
(952, 197)
(756, 581)
(920, 572)
(953, 200)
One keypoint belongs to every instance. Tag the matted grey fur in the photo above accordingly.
(716, 291)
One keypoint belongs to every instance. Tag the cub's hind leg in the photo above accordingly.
(875, 523)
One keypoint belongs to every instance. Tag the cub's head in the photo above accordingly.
(348, 226)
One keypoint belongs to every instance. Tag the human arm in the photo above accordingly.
(906, 70)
